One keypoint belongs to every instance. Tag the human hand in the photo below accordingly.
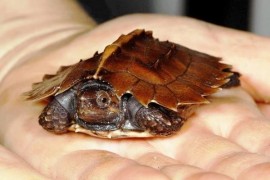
(226, 139)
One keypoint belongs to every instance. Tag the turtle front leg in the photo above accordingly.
(159, 121)
(55, 118)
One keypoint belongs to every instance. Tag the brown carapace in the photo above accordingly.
(138, 87)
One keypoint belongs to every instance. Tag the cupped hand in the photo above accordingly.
(226, 139)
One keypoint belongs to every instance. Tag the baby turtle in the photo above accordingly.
(138, 87)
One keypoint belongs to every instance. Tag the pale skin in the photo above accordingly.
(227, 139)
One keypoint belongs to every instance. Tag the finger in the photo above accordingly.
(252, 134)
(102, 164)
(187, 172)
(261, 171)
(13, 167)
(176, 170)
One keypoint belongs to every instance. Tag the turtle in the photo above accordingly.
(137, 87)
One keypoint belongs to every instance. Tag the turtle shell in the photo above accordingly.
(151, 70)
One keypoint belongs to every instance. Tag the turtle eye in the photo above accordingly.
(103, 99)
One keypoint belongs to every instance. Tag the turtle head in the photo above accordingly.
(97, 103)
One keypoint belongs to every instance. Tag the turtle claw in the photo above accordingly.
(158, 122)
(55, 118)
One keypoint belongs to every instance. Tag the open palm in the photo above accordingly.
(227, 139)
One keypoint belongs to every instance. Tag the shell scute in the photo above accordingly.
(143, 90)
(186, 94)
(124, 81)
(196, 83)
(165, 97)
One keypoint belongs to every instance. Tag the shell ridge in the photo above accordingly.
(116, 45)
(109, 50)
(162, 60)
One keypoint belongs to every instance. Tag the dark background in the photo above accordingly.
(229, 13)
